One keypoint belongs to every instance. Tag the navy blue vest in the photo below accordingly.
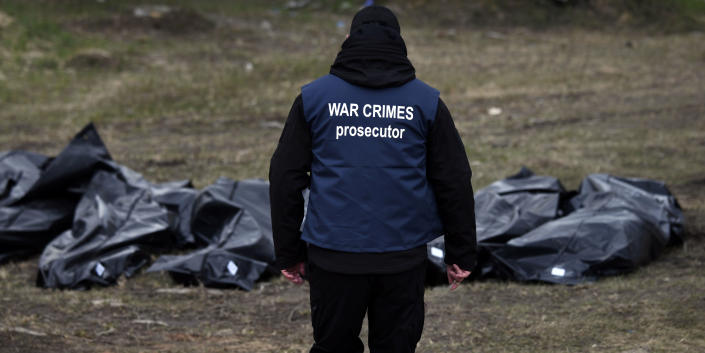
(369, 191)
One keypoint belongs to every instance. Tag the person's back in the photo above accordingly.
(388, 173)
(368, 180)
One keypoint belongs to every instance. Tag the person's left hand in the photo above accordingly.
(295, 273)
(456, 275)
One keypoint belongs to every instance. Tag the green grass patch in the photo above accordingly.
(573, 101)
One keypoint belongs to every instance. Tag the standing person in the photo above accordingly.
(387, 173)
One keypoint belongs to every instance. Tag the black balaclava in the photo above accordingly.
(374, 55)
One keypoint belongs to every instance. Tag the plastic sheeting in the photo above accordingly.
(97, 220)
(232, 219)
(650, 198)
(116, 227)
(543, 233)
(19, 170)
(600, 240)
(118, 223)
(38, 195)
(505, 209)
(511, 207)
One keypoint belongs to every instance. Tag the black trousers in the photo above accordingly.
(393, 302)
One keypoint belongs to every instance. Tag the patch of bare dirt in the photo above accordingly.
(158, 18)
(92, 58)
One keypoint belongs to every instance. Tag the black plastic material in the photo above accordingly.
(583, 246)
(38, 195)
(650, 198)
(116, 227)
(232, 219)
(68, 173)
(511, 207)
(122, 220)
(97, 220)
(528, 229)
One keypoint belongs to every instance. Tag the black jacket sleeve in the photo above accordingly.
(449, 173)
(288, 177)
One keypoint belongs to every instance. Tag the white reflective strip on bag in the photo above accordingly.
(436, 252)
(232, 268)
(558, 272)
(99, 269)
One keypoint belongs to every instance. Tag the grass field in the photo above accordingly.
(621, 94)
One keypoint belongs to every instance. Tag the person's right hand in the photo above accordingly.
(295, 273)
(456, 275)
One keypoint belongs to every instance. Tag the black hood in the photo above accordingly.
(373, 56)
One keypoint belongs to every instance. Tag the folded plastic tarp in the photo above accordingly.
(110, 220)
(38, 195)
(608, 236)
(116, 227)
(650, 198)
(26, 227)
(612, 226)
(97, 220)
(505, 209)
(19, 170)
(175, 196)
(232, 219)
(513, 206)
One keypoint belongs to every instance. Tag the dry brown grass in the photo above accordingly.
(574, 101)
